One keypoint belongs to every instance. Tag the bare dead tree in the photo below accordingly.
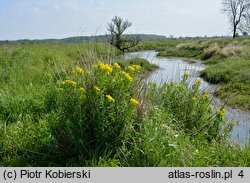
(117, 38)
(245, 24)
(236, 10)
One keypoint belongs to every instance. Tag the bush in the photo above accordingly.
(95, 109)
(190, 108)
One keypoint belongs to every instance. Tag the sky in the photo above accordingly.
(42, 19)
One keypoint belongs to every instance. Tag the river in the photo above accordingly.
(173, 69)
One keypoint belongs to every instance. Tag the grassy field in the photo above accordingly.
(80, 105)
(227, 60)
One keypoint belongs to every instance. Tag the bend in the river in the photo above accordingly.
(173, 69)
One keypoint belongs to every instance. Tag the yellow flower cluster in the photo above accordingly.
(205, 95)
(221, 112)
(59, 89)
(210, 108)
(117, 66)
(134, 101)
(106, 67)
(131, 68)
(97, 89)
(169, 85)
(111, 99)
(232, 123)
(137, 67)
(82, 89)
(127, 76)
(134, 68)
(69, 82)
(197, 82)
(79, 70)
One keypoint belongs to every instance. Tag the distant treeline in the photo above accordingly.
(86, 39)
(99, 38)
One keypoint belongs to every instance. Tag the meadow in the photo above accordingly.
(83, 105)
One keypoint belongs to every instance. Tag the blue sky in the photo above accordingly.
(40, 19)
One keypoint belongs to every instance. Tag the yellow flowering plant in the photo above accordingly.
(79, 70)
(134, 101)
(190, 106)
(117, 66)
(96, 105)
(97, 89)
(111, 99)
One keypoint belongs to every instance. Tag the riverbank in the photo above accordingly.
(227, 60)
(173, 70)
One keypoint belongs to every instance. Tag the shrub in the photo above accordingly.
(95, 108)
(190, 107)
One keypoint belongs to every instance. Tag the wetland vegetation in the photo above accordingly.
(82, 105)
